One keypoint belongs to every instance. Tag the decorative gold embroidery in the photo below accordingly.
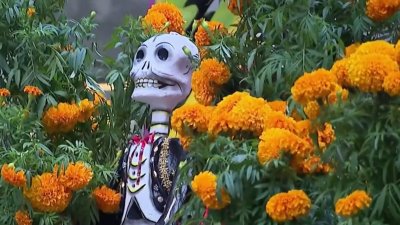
(162, 165)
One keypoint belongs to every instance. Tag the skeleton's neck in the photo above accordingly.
(160, 120)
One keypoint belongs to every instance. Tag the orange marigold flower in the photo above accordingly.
(61, 119)
(288, 206)
(397, 49)
(312, 86)
(206, 80)
(351, 49)
(204, 91)
(155, 20)
(204, 185)
(296, 115)
(310, 165)
(47, 194)
(304, 128)
(249, 115)
(31, 11)
(381, 9)
(279, 106)
(76, 176)
(353, 203)
(377, 47)
(239, 113)
(343, 93)
(275, 140)
(216, 72)
(236, 6)
(107, 200)
(203, 52)
(4, 92)
(190, 116)
(391, 84)
(326, 136)
(340, 71)
(367, 72)
(185, 141)
(219, 119)
(229, 102)
(171, 13)
(276, 119)
(202, 37)
(22, 218)
(32, 90)
(312, 110)
(86, 110)
(194, 116)
(13, 177)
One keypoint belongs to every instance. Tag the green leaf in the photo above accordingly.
(380, 202)
(76, 58)
(43, 79)
(61, 93)
(251, 59)
(3, 64)
(239, 158)
(41, 104)
(92, 84)
(44, 148)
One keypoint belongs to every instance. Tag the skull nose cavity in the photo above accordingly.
(144, 64)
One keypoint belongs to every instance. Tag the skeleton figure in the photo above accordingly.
(162, 71)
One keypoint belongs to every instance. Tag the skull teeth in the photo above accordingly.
(144, 82)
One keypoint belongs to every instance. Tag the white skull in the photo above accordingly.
(162, 72)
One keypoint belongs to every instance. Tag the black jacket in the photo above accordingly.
(162, 188)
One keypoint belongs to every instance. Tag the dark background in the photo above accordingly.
(109, 15)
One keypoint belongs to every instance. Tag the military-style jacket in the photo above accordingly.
(166, 155)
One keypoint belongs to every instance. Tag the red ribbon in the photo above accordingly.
(147, 139)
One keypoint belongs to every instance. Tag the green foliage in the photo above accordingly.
(368, 155)
(49, 51)
(40, 46)
(127, 38)
(25, 144)
(275, 43)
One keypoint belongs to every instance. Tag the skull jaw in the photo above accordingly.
(159, 99)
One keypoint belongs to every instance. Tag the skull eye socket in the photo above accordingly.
(162, 54)
(139, 55)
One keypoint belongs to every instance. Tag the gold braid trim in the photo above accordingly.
(162, 165)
